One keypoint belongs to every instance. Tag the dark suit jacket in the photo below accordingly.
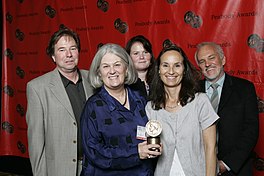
(238, 126)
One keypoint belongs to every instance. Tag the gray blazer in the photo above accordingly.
(52, 128)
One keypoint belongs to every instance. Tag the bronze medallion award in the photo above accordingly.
(153, 130)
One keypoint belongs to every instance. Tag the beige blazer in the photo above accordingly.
(52, 128)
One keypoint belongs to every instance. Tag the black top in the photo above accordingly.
(77, 98)
(140, 86)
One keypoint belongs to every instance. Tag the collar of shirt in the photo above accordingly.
(209, 89)
(114, 104)
(66, 81)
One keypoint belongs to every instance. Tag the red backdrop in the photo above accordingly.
(28, 25)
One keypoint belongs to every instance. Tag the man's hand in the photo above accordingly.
(222, 167)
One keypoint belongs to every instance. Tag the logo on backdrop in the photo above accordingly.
(171, 1)
(21, 110)
(21, 147)
(6, 126)
(20, 72)
(8, 53)
(50, 12)
(260, 104)
(99, 46)
(258, 162)
(8, 90)
(254, 41)
(9, 17)
(102, 5)
(20, 35)
(121, 26)
(192, 19)
(167, 43)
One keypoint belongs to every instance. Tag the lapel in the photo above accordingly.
(86, 85)
(59, 92)
(202, 86)
(226, 92)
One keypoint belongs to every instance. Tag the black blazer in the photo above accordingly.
(238, 126)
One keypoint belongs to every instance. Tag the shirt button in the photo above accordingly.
(74, 141)
(74, 123)
(74, 160)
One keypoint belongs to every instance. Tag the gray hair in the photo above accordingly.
(217, 48)
(117, 50)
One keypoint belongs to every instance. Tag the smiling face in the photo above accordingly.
(66, 54)
(210, 63)
(140, 56)
(112, 71)
(171, 68)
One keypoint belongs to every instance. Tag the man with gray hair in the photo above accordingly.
(235, 101)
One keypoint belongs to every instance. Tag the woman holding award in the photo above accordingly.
(186, 116)
(114, 118)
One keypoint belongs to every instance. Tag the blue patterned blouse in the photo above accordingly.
(109, 136)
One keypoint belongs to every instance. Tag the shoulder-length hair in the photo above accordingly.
(117, 50)
(148, 47)
(189, 87)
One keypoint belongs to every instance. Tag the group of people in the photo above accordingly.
(93, 123)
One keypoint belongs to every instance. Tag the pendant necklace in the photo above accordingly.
(172, 107)
(125, 98)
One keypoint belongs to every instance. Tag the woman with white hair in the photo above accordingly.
(113, 119)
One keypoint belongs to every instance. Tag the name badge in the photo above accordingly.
(141, 133)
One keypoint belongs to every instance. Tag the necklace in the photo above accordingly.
(172, 107)
(125, 98)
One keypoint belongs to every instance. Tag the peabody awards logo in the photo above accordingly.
(103, 5)
(8, 53)
(21, 147)
(9, 18)
(20, 35)
(121, 26)
(260, 105)
(8, 90)
(171, 1)
(6, 126)
(192, 19)
(167, 43)
(99, 46)
(258, 162)
(254, 41)
(20, 72)
(20, 110)
(50, 12)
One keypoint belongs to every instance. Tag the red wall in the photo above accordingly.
(29, 24)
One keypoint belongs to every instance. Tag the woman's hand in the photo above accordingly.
(145, 150)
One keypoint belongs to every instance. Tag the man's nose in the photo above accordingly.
(69, 53)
